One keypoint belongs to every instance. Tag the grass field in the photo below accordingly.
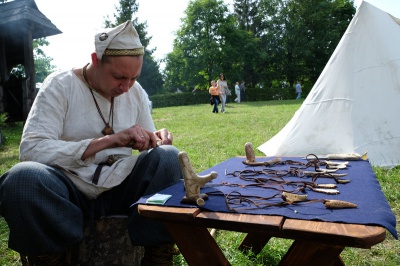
(212, 138)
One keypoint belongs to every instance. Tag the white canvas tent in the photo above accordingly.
(355, 104)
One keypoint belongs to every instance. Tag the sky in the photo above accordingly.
(80, 20)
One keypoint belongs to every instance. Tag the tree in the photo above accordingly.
(174, 69)
(250, 23)
(318, 26)
(203, 46)
(248, 15)
(300, 36)
(271, 40)
(264, 42)
(150, 78)
(43, 66)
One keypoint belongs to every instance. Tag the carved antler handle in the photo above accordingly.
(192, 181)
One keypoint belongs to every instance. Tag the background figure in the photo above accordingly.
(223, 89)
(228, 93)
(214, 91)
(298, 90)
(237, 92)
(242, 91)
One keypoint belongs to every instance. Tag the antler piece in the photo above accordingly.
(321, 170)
(192, 181)
(339, 204)
(345, 156)
(325, 185)
(291, 197)
(365, 155)
(329, 191)
(250, 157)
(334, 165)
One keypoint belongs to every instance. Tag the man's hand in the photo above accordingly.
(137, 138)
(134, 137)
(141, 139)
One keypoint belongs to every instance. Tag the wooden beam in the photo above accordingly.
(29, 86)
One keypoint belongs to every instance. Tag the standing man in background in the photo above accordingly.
(298, 90)
(237, 92)
(242, 92)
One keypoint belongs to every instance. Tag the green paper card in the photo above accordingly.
(159, 199)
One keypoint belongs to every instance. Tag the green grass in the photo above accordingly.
(210, 139)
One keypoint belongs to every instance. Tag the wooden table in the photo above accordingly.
(315, 242)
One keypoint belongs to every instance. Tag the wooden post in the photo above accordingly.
(28, 87)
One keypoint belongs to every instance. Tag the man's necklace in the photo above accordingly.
(107, 130)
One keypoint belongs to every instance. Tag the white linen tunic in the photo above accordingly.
(64, 120)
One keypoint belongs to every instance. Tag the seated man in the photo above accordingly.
(76, 156)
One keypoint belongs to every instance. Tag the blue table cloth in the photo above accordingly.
(363, 190)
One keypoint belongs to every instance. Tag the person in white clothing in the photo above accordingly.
(237, 92)
(223, 88)
(76, 156)
(298, 90)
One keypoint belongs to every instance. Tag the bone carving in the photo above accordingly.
(192, 181)
(250, 157)
(339, 204)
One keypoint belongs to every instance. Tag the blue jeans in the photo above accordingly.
(242, 96)
(298, 95)
(216, 102)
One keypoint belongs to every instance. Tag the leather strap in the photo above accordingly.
(96, 175)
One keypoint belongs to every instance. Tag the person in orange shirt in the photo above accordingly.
(214, 91)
